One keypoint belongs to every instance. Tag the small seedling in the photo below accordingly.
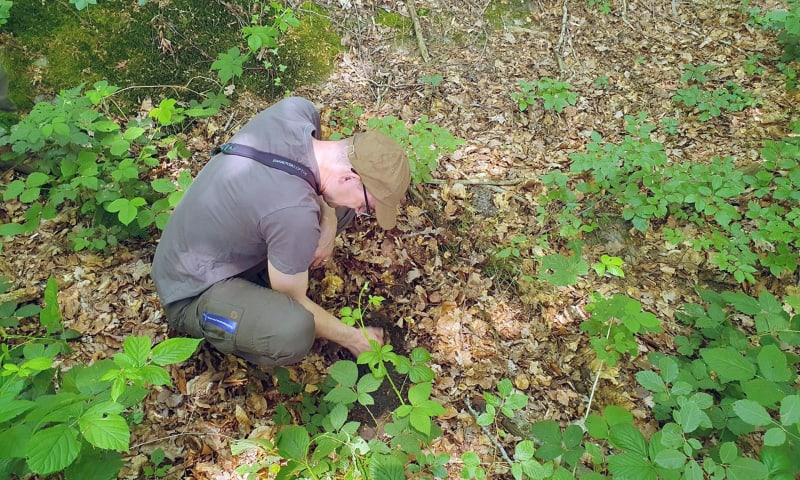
(610, 265)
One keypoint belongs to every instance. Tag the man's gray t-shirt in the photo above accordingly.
(239, 212)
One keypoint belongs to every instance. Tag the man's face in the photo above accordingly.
(351, 193)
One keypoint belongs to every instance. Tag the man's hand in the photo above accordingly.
(360, 342)
(326, 325)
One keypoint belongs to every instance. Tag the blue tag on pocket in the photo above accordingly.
(220, 322)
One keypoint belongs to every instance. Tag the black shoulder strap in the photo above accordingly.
(271, 160)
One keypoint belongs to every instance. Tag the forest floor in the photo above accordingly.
(444, 289)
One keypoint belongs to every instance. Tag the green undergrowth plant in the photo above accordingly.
(555, 95)
(74, 421)
(710, 103)
(424, 142)
(728, 388)
(747, 215)
(263, 37)
(327, 442)
(83, 157)
(786, 23)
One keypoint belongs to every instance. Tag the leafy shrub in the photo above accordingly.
(328, 444)
(749, 215)
(262, 43)
(72, 421)
(424, 143)
(787, 24)
(555, 95)
(85, 158)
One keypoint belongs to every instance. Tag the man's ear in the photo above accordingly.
(348, 176)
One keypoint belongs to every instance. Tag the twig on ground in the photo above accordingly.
(560, 44)
(477, 181)
(423, 50)
(487, 432)
(23, 295)
(594, 387)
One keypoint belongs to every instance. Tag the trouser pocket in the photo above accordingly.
(219, 323)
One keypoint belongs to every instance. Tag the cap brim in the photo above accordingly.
(386, 215)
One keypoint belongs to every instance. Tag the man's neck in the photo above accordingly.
(331, 155)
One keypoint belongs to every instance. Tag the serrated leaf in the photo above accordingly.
(773, 365)
(629, 438)
(651, 381)
(53, 449)
(338, 416)
(344, 372)
(174, 350)
(138, 349)
(341, 394)
(562, 271)
(106, 431)
(162, 185)
(629, 466)
(670, 459)
(747, 469)
(752, 413)
(729, 364)
(386, 467)
(293, 442)
(790, 410)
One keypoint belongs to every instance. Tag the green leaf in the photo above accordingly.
(138, 349)
(729, 364)
(293, 442)
(13, 190)
(616, 415)
(50, 317)
(341, 394)
(344, 372)
(774, 437)
(628, 437)
(162, 185)
(651, 381)
(338, 416)
(174, 350)
(11, 408)
(773, 365)
(37, 179)
(747, 469)
(630, 466)
(386, 467)
(419, 393)
(155, 375)
(790, 410)
(670, 459)
(53, 449)
(105, 430)
(690, 417)
(421, 421)
(368, 383)
(728, 452)
(752, 413)
(560, 270)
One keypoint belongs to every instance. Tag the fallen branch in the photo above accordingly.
(23, 295)
(423, 50)
(477, 181)
(487, 432)
(560, 43)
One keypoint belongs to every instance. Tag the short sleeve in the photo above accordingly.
(292, 235)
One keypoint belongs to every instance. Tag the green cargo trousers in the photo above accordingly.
(244, 317)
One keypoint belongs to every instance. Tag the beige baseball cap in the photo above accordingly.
(383, 167)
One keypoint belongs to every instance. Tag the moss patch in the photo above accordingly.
(169, 44)
(503, 12)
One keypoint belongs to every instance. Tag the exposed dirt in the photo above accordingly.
(444, 292)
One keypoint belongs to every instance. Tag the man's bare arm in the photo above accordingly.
(326, 325)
